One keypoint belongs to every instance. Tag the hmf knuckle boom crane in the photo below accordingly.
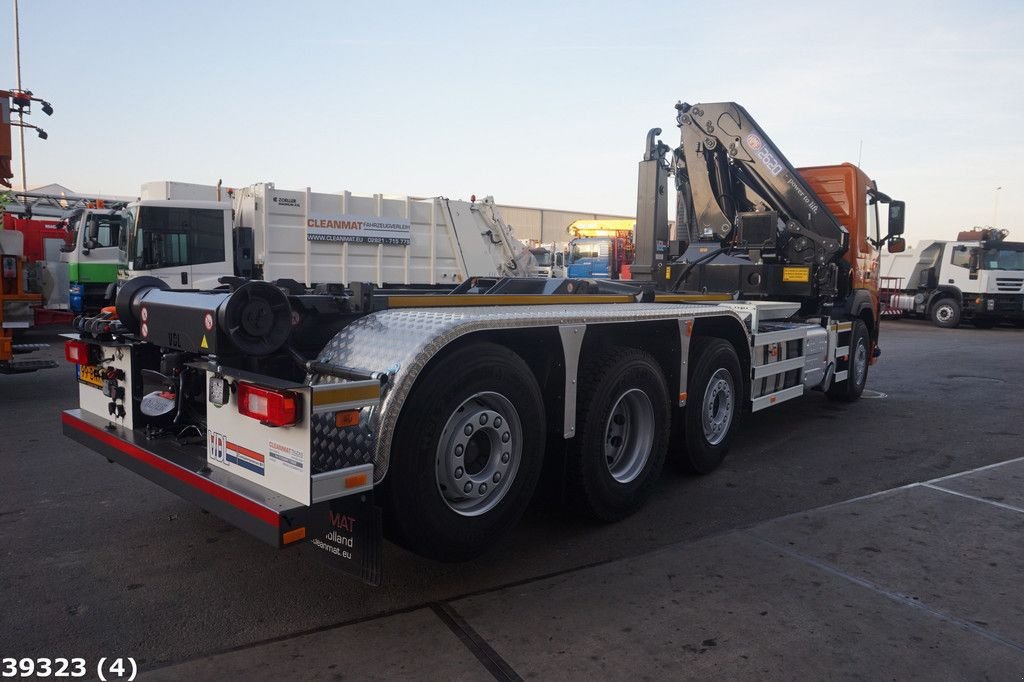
(311, 415)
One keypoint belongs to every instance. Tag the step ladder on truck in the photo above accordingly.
(310, 417)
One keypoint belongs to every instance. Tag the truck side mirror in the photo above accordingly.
(897, 211)
(897, 245)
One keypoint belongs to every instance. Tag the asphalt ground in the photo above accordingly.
(99, 562)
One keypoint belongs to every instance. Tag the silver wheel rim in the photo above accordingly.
(478, 454)
(718, 407)
(944, 313)
(629, 435)
(860, 362)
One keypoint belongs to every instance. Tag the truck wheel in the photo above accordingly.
(715, 389)
(622, 427)
(946, 313)
(467, 454)
(851, 388)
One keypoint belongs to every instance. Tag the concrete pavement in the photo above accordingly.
(919, 582)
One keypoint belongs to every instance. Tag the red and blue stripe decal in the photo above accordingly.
(245, 458)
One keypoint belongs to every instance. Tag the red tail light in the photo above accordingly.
(77, 352)
(272, 408)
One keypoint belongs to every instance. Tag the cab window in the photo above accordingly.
(961, 257)
(109, 229)
(871, 232)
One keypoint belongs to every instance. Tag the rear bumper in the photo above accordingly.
(183, 471)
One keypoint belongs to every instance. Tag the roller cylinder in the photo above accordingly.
(255, 319)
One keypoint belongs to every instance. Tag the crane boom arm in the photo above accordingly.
(728, 171)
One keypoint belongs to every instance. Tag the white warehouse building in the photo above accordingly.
(547, 225)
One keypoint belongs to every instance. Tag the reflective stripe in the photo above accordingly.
(690, 298)
(334, 397)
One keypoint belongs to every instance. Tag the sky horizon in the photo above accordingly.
(540, 105)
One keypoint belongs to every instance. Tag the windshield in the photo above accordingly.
(1002, 259)
(165, 236)
(71, 223)
(543, 257)
(587, 249)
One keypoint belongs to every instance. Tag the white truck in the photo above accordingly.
(978, 278)
(191, 235)
(307, 417)
(549, 259)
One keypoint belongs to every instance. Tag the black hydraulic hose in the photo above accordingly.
(703, 259)
(180, 398)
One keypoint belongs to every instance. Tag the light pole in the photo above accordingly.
(21, 116)
(995, 208)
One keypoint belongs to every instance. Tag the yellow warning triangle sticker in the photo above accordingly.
(203, 344)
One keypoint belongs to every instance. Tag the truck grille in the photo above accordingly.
(1010, 285)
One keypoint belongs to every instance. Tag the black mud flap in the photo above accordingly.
(345, 533)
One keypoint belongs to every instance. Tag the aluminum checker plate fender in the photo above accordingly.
(403, 341)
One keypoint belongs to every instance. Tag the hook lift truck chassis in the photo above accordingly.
(321, 416)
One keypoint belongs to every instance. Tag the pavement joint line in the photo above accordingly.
(891, 595)
(976, 470)
(1001, 505)
(880, 493)
(490, 659)
(380, 615)
(159, 665)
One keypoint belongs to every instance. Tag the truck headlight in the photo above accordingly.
(990, 304)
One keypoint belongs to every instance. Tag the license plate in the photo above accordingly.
(90, 374)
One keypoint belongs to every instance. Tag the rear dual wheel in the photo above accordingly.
(622, 427)
(467, 454)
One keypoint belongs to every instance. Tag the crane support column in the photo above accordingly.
(651, 233)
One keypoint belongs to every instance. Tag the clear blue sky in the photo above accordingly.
(541, 103)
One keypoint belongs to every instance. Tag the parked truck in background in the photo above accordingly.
(600, 248)
(602, 257)
(93, 254)
(307, 416)
(190, 236)
(18, 297)
(978, 278)
(549, 260)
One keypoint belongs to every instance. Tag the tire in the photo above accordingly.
(945, 313)
(715, 387)
(622, 427)
(852, 387)
(452, 432)
(983, 322)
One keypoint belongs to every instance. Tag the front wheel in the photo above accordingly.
(852, 387)
(945, 313)
(467, 454)
(715, 389)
